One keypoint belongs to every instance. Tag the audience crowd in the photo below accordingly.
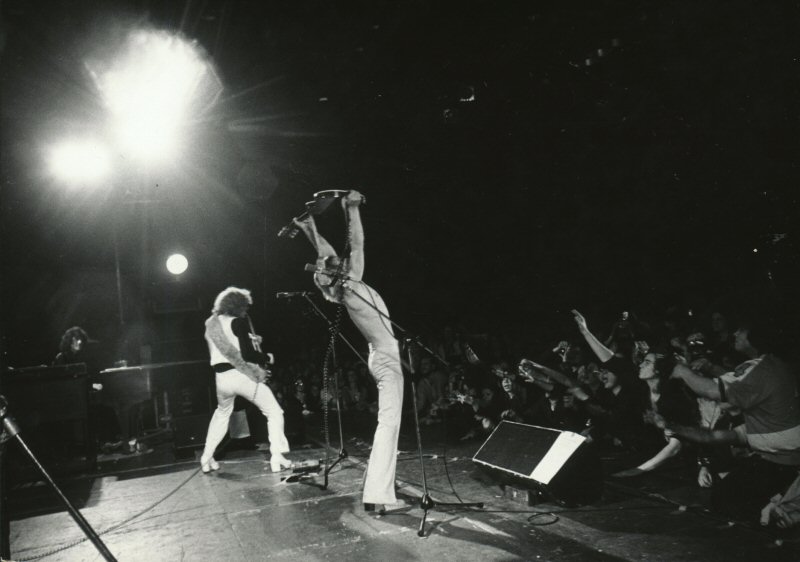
(712, 391)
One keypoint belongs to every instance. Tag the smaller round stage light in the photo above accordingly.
(177, 264)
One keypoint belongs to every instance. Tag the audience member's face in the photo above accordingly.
(76, 345)
(647, 368)
(487, 394)
(507, 384)
(740, 341)
(608, 379)
(588, 375)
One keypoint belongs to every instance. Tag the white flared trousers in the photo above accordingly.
(384, 364)
(231, 384)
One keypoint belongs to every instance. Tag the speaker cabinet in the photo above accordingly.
(561, 464)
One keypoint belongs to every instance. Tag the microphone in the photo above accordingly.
(311, 268)
(289, 295)
(336, 276)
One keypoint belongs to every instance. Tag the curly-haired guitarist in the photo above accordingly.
(235, 360)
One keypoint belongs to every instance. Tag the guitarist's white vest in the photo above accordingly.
(226, 322)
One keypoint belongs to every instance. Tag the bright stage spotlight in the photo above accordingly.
(79, 162)
(155, 84)
(177, 264)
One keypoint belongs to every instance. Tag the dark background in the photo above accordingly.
(519, 159)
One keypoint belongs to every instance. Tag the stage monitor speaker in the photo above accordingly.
(561, 464)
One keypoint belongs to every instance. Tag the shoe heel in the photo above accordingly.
(209, 465)
(279, 462)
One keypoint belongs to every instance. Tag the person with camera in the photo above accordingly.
(765, 390)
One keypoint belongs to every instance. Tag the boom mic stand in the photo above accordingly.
(426, 502)
(5, 526)
(331, 327)
(12, 429)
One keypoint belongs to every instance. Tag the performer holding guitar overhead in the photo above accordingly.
(236, 358)
(340, 282)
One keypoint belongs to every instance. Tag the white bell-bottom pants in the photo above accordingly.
(231, 384)
(384, 364)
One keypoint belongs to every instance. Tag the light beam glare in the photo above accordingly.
(79, 162)
(152, 89)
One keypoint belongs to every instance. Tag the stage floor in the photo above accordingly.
(155, 506)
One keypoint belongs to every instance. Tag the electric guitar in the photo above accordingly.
(255, 340)
(321, 202)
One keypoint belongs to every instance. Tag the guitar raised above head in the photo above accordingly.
(321, 202)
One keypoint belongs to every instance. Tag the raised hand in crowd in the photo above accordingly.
(601, 351)
(580, 321)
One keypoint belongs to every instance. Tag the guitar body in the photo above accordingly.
(323, 200)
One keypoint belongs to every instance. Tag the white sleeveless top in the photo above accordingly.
(216, 356)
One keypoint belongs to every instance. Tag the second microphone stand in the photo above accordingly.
(331, 328)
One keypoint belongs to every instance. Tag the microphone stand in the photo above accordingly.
(325, 319)
(426, 502)
(342, 451)
(5, 524)
(12, 429)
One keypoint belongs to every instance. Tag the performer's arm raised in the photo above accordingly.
(351, 202)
